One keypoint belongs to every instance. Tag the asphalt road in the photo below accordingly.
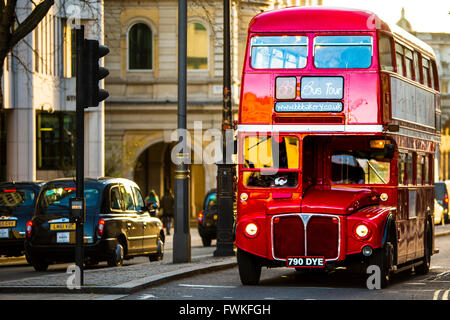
(287, 284)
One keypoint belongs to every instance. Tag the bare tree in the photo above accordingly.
(12, 30)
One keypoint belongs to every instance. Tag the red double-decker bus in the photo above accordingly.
(339, 122)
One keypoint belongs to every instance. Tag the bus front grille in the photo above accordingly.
(288, 237)
(319, 238)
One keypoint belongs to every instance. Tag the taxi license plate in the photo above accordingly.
(63, 237)
(4, 233)
(62, 226)
(305, 262)
(8, 224)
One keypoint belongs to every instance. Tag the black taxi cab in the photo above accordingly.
(117, 226)
(17, 201)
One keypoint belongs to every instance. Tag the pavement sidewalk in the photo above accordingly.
(129, 279)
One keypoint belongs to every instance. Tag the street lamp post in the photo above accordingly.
(182, 237)
(226, 169)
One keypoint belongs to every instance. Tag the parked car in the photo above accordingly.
(441, 192)
(438, 213)
(17, 201)
(207, 218)
(118, 225)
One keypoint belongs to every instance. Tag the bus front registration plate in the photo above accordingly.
(306, 262)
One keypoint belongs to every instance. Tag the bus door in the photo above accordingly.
(407, 208)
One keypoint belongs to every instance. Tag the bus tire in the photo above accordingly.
(382, 258)
(425, 266)
(249, 268)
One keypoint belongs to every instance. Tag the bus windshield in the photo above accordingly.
(277, 159)
(353, 167)
(342, 52)
(279, 52)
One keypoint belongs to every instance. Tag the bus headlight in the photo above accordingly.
(251, 229)
(286, 87)
(362, 231)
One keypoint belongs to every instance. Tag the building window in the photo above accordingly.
(55, 140)
(197, 47)
(2, 146)
(140, 47)
(69, 50)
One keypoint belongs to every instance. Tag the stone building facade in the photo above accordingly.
(37, 122)
(141, 112)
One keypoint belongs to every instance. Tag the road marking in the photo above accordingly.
(146, 296)
(204, 286)
(436, 294)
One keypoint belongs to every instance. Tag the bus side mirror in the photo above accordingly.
(389, 150)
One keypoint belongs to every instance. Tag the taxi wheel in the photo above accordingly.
(116, 259)
(206, 241)
(160, 254)
(39, 264)
(249, 268)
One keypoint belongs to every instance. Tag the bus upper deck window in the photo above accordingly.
(426, 71)
(409, 66)
(279, 52)
(385, 52)
(342, 52)
(399, 58)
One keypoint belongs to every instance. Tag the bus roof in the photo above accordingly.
(318, 18)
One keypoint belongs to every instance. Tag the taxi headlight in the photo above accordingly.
(251, 229)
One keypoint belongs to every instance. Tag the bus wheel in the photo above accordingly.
(249, 268)
(425, 266)
(383, 259)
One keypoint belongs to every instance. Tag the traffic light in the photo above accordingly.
(93, 52)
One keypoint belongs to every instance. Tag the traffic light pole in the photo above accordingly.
(80, 105)
(226, 169)
(88, 94)
(182, 236)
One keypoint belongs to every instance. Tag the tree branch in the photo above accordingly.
(31, 21)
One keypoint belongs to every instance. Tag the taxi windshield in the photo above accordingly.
(57, 199)
(16, 197)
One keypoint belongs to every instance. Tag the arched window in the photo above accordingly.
(140, 47)
(197, 47)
